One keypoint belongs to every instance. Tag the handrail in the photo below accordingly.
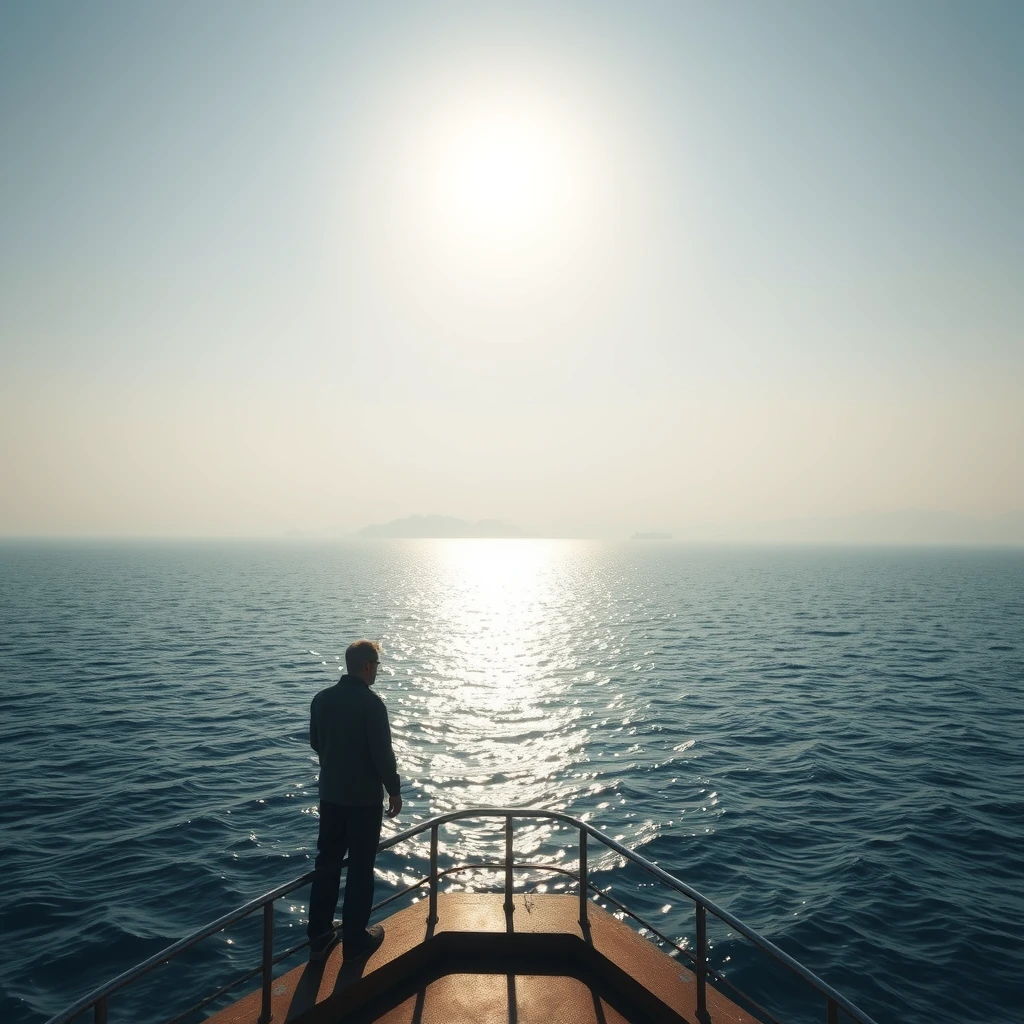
(836, 1001)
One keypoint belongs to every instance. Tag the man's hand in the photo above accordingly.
(394, 804)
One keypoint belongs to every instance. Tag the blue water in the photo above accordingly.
(826, 742)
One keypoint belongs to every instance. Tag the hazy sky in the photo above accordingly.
(584, 267)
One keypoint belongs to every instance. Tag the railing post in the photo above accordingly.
(833, 1012)
(508, 864)
(99, 1011)
(584, 884)
(432, 912)
(266, 1010)
(701, 962)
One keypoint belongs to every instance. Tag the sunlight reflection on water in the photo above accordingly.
(526, 673)
(481, 703)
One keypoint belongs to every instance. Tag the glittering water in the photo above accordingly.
(825, 742)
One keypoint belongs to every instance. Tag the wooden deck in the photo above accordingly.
(481, 965)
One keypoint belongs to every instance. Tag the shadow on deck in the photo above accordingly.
(482, 965)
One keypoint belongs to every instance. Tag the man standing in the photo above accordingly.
(349, 730)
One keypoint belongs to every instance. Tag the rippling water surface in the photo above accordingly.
(825, 742)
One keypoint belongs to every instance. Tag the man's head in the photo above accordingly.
(362, 658)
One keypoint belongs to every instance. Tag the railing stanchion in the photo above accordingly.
(99, 1011)
(266, 1010)
(584, 884)
(508, 864)
(833, 1012)
(702, 961)
(432, 912)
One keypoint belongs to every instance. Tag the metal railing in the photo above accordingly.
(99, 999)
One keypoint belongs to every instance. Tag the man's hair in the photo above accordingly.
(360, 654)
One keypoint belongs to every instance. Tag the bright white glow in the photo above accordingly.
(499, 179)
(496, 181)
(506, 176)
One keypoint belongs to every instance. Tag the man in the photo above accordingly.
(349, 730)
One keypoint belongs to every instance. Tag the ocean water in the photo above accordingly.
(826, 742)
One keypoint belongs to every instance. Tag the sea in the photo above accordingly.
(826, 742)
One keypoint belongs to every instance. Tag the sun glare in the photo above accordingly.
(504, 176)
(493, 182)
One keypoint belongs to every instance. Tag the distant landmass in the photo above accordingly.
(439, 526)
(903, 527)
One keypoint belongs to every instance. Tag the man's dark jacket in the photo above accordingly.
(349, 729)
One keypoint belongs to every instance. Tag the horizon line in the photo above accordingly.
(613, 539)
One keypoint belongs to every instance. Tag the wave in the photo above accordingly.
(827, 746)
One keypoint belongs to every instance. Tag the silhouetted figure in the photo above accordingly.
(349, 730)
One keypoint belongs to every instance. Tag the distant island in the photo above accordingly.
(439, 526)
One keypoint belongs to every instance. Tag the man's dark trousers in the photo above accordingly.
(355, 830)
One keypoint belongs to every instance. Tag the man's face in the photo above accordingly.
(371, 671)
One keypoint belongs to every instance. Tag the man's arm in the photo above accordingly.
(382, 754)
(314, 740)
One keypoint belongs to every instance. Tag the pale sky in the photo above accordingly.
(587, 268)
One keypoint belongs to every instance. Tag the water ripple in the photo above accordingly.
(827, 743)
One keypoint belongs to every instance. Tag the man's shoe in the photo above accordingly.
(372, 939)
(322, 945)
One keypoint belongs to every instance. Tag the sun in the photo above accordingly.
(490, 191)
(504, 176)
(493, 184)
